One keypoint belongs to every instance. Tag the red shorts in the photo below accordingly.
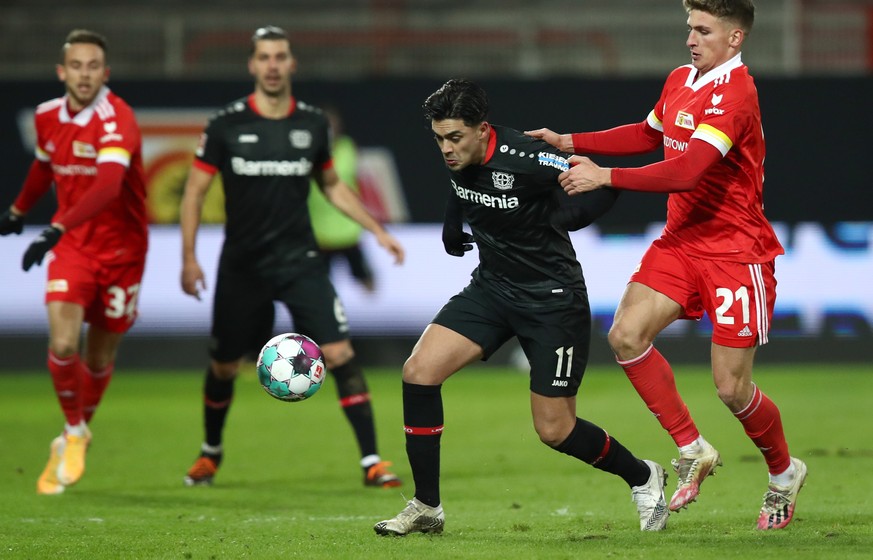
(737, 297)
(109, 294)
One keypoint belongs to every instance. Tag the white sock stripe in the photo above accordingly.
(63, 361)
(640, 358)
(754, 403)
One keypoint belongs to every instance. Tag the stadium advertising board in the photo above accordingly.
(820, 290)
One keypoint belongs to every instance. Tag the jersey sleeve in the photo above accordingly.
(323, 157)
(120, 140)
(211, 148)
(722, 122)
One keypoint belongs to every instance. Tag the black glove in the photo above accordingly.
(10, 223)
(40, 246)
(457, 242)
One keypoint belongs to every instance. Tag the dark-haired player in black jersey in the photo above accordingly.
(528, 285)
(267, 146)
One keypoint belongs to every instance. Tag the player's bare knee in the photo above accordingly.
(337, 354)
(226, 371)
(63, 348)
(626, 343)
(552, 434)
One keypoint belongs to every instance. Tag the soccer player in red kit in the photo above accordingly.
(716, 253)
(89, 146)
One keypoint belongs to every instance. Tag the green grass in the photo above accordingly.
(290, 485)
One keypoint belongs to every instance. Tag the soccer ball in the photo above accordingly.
(291, 367)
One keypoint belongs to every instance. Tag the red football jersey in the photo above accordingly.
(723, 217)
(104, 131)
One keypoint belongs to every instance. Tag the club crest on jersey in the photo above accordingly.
(685, 120)
(111, 135)
(300, 139)
(84, 150)
(502, 181)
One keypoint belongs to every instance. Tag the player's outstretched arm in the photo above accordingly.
(349, 203)
(563, 142)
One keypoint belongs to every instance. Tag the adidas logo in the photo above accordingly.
(745, 331)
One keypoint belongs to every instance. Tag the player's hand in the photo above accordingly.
(390, 244)
(193, 279)
(549, 136)
(584, 176)
(457, 242)
(40, 246)
(10, 223)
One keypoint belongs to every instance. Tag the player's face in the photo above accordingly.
(272, 65)
(461, 145)
(712, 41)
(83, 72)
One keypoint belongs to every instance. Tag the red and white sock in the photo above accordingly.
(94, 384)
(652, 377)
(67, 380)
(763, 424)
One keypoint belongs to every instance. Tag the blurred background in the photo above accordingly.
(568, 65)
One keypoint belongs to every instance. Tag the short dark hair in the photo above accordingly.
(83, 36)
(741, 12)
(457, 99)
(268, 33)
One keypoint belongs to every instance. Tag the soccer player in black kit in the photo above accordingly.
(528, 284)
(266, 147)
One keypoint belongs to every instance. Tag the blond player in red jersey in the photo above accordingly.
(89, 146)
(716, 253)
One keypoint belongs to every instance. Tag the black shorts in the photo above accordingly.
(243, 312)
(555, 339)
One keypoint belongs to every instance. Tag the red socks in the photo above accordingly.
(652, 377)
(94, 384)
(763, 424)
(67, 378)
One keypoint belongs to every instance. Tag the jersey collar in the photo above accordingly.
(723, 69)
(83, 117)
(250, 101)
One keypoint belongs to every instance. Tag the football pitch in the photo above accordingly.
(290, 485)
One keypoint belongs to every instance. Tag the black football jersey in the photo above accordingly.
(507, 201)
(265, 166)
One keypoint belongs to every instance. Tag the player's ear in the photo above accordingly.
(484, 130)
(61, 72)
(106, 74)
(736, 38)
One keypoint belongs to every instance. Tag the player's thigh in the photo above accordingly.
(242, 315)
(739, 299)
(439, 353)
(478, 317)
(101, 347)
(115, 307)
(315, 308)
(669, 273)
(556, 343)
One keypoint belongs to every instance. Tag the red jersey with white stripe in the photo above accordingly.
(723, 217)
(74, 145)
